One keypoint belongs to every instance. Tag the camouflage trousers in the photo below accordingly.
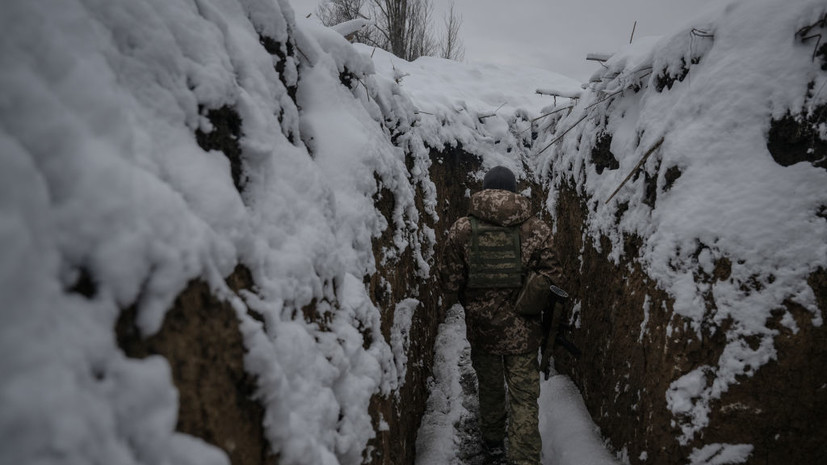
(521, 374)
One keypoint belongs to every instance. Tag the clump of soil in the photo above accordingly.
(224, 138)
(602, 155)
(672, 174)
(796, 139)
(201, 340)
(282, 51)
(665, 80)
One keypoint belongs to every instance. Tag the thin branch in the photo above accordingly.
(378, 4)
(493, 113)
(599, 57)
(367, 40)
(584, 116)
(367, 91)
(383, 32)
(817, 42)
(556, 139)
(701, 33)
(637, 167)
(639, 78)
(553, 112)
(605, 98)
(543, 116)
(302, 53)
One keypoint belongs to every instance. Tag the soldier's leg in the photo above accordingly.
(522, 372)
(489, 369)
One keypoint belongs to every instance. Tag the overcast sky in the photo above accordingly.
(555, 34)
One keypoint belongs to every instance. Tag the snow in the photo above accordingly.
(560, 93)
(435, 84)
(683, 391)
(721, 454)
(100, 174)
(598, 56)
(646, 305)
(350, 27)
(485, 107)
(569, 435)
(437, 441)
(400, 335)
(732, 200)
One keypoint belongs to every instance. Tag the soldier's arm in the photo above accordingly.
(546, 260)
(452, 266)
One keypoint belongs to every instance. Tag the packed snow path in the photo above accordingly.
(449, 434)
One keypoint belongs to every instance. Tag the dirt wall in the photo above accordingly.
(403, 411)
(204, 347)
(624, 376)
(201, 340)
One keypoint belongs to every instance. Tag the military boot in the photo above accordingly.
(494, 452)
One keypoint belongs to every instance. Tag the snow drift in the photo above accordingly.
(675, 188)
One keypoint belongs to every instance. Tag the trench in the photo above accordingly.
(206, 352)
(201, 340)
(634, 345)
(621, 375)
(621, 379)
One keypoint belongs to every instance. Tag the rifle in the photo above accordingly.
(552, 325)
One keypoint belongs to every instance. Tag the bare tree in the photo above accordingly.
(339, 11)
(419, 40)
(402, 27)
(451, 47)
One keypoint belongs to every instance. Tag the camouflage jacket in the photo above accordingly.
(492, 324)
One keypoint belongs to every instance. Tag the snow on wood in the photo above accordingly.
(601, 57)
(560, 93)
(349, 28)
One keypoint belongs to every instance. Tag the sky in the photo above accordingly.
(555, 34)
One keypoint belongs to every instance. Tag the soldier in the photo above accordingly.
(485, 259)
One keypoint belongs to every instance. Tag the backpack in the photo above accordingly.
(495, 259)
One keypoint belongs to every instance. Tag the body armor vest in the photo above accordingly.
(495, 260)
